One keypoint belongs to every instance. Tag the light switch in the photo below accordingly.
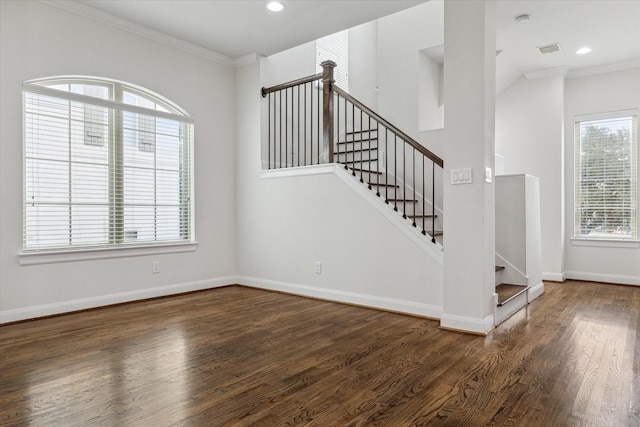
(487, 174)
(461, 176)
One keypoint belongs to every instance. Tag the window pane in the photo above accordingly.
(139, 186)
(99, 175)
(46, 181)
(168, 188)
(169, 225)
(46, 137)
(90, 184)
(168, 152)
(89, 224)
(139, 140)
(606, 202)
(46, 225)
(139, 223)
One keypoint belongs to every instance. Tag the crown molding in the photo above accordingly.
(94, 14)
(551, 72)
(603, 69)
(249, 59)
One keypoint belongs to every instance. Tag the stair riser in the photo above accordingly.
(510, 308)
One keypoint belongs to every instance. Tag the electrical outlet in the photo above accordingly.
(155, 267)
(318, 267)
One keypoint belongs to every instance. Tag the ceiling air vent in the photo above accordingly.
(550, 48)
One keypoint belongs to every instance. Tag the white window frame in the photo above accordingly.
(608, 239)
(117, 243)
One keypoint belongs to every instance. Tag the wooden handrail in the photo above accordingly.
(412, 142)
(295, 126)
(303, 80)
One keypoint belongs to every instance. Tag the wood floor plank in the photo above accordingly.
(237, 356)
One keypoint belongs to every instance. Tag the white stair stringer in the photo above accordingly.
(405, 225)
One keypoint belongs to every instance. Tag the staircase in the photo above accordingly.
(510, 297)
(360, 154)
(334, 127)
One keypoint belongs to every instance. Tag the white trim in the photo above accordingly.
(140, 30)
(607, 115)
(604, 278)
(373, 301)
(554, 277)
(603, 69)
(551, 72)
(605, 243)
(114, 105)
(325, 168)
(467, 324)
(56, 256)
(536, 291)
(104, 300)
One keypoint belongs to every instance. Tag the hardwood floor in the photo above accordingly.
(237, 356)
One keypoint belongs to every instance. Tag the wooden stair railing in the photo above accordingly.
(312, 121)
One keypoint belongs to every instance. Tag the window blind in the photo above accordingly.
(606, 177)
(103, 173)
(335, 47)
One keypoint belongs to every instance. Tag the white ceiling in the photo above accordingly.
(240, 27)
(236, 28)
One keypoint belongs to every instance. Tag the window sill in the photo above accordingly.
(56, 256)
(605, 243)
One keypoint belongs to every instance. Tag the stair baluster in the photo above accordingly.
(350, 134)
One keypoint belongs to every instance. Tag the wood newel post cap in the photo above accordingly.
(327, 70)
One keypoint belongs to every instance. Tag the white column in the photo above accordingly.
(469, 127)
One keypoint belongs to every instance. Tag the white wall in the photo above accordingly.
(401, 37)
(588, 95)
(529, 134)
(287, 224)
(37, 40)
(363, 57)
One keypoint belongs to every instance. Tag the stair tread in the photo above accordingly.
(357, 161)
(353, 141)
(353, 132)
(403, 200)
(382, 184)
(364, 170)
(362, 150)
(506, 292)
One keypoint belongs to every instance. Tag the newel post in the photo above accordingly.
(327, 110)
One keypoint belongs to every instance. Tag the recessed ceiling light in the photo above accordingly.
(583, 50)
(275, 6)
(523, 19)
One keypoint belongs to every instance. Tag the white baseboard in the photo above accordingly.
(103, 300)
(605, 278)
(536, 291)
(468, 324)
(554, 277)
(373, 301)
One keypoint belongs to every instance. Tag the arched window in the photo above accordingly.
(105, 164)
